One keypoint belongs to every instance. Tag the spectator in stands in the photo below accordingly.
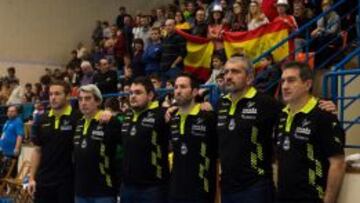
(160, 18)
(181, 23)
(29, 95)
(97, 35)
(137, 64)
(328, 27)
(71, 77)
(238, 19)
(168, 100)
(216, 27)
(17, 93)
(74, 61)
(81, 50)
(173, 52)
(4, 92)
(155, 80)
(120, 17)
(220, 83)
(267, 76)
(96, 54)
(112, 104)
(255, 17)
(152, 55)
(105, 78)
(282, 7)
(189, 12)
(106, 29)
(269, 9)
(87, 73)
(227, 11)
(127, 31)
(128, 76)
(11, 75)
(199, 28)
(120, 49)
(143, 30)
(302, 16)
(217, 63)
(57, 75)
(12, 134)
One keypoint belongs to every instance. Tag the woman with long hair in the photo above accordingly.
(256, 17)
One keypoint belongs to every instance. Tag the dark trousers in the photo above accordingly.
(134, 194)
(59, 193)
(260, 192)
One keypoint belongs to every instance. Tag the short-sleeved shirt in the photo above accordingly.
(146, 144)
(10, 132)
(245, 131)
(194, 143)
(305, 140)
(94, 156)
(54, 134)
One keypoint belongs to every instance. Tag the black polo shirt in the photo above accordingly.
(94, 156)
(55, 137)
(146, 145)
(245, 139)
(193, 139)
(305, 140)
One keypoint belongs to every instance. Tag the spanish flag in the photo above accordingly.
(255, 42)
(198, 57)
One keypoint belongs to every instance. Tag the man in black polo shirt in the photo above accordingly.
(245, 120)
(106, 79)
(51, 175)
(309, 143)
(193, 139)
(145, 143)
(173, 52)
(94, 150)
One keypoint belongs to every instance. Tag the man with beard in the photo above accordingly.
(193, 139)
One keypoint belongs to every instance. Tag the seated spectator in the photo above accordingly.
(152, 55)
(105, 78)
(29, 95)
(173, 52)
(74, 61)
(199, 28)
(106, 30)
(255, 17)
(113, 105)
(189, 13)
(142, 31)
(156, 81)
(96, 54)
(4, 92)
(137, 65)
(302, 17)
(181, 23)
(160, 18)
(217, 64)
(72, 77)
(81, 51)
(238, 19)
(11, 75)
(88, 73)
(97, 35)
(120, 17)
(216, 27)
(328, 26)
(57, 75)
(267, 76)
(168, 100)
(282, 7)
(17, 93)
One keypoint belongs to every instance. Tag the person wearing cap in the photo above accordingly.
(216, 26)
(94, 150)
(282, 7)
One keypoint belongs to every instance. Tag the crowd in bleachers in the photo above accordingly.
(147, 44)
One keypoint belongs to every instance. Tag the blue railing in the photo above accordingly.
(340, 79)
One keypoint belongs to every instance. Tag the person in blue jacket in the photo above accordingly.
(152, 54)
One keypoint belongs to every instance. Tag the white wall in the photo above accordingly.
(45, 31)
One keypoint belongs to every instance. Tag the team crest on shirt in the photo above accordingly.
(66, 125)
(183, 149)
(133, 131)
(232, 124)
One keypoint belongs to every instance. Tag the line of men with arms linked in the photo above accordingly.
(246, 133)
